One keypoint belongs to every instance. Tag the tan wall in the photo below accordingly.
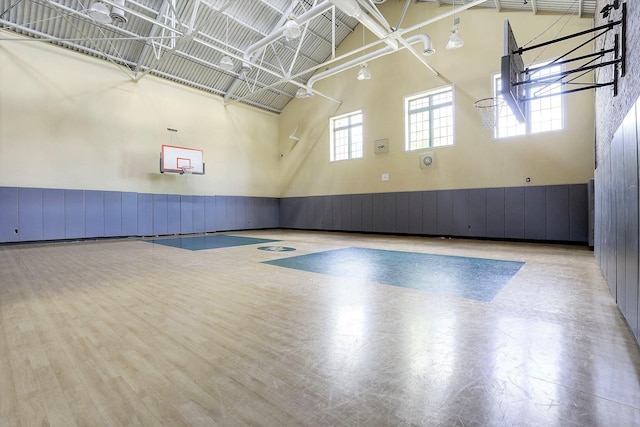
(71, 122)
(476, 160)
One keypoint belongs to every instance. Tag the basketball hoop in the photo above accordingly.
(186, 170)
(489, 108)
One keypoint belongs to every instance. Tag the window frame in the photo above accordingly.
(350, 127)
(529, 124)
(407, 117)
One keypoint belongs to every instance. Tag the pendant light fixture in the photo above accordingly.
(226, 63)
(292, 29)
(363, 72)
(455, 39)
(100, 12)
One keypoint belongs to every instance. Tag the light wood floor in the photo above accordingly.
(126, 333)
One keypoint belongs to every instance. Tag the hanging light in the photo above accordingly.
(226, 63)
(364, 73)
(455, 39)
(292, 29)
(100, 12)
(303, 93)
(117, 12)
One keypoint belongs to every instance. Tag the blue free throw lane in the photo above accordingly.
(473, 278)
(199, 243)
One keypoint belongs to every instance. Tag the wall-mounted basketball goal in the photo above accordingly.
(181, 160)
(516, 78)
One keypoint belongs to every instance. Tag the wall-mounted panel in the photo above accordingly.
(609, 225)
(315, 213)
(638, 149)
(30, 214)
(186, 214)
(198, 214)
(336, 213)
(514, 213)
(53, 214)
(145, 214)
(535, 224)
(345, 212)
(231, 213)
(356, 212)
(327, 212)
(415, 213)
(9, 214)
(210, 214)
(241, 212)
(74, 214)
(445, 213)
(377, 212)
(271, 212)
(286, 213)
(495, 212)
(557, 212)
(221, 213)
(631, 208)
(250, 208)
(266, 216)
(402, 213)
(366, 203)
(430, 213)
(478, 212)
(617, 174)
(460, 212)
(94, 213)
(297, 207)
(129, 214)
(112, 213)
(578, 213)
(160, 214)
(390, 206)
(173, 214)
(275, 212)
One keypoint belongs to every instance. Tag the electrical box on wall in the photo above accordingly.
(381, 146)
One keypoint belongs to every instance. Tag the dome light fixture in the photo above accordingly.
(292, 29)
(100, 12)
(226, 63)
(364, 73)
(455, 39)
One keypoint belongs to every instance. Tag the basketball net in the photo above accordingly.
(186, 170)
(489, 109)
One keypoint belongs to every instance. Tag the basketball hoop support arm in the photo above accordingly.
(619, 62)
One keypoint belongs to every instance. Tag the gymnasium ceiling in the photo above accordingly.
(184, 40)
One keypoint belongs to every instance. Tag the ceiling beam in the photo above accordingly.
(580, 8)
(534, 7)
(498, 5)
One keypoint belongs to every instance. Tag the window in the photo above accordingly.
(429, 119)
(542, 115)
(346, 136)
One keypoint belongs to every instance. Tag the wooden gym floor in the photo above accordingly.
(128, 332)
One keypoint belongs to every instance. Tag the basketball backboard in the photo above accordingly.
(512, 75)
(180, 159)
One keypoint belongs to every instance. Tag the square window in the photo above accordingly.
(429, 119)
(346, 139)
